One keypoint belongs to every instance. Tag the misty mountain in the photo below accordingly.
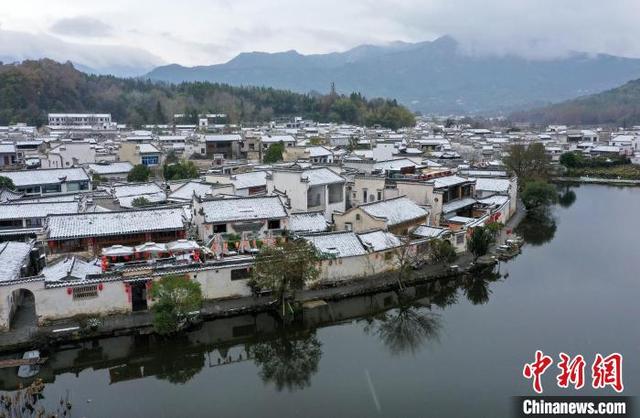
(431, 76)
(619, 106)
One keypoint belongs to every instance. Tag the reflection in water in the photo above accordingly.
(405, 329)
(567, 198)
(288, 361)
(286, 356)
(476, 288)
(537, 228)
(178, 369)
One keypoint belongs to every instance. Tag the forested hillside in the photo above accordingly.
(30, 90)
(619, 107)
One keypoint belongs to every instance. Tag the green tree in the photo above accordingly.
(572, 159)
(6, 183)
(160, 118)
(182, 170)
(176, 297)
(285, 268)
(538, 195)
(96, 178)
(528, 162)
(140, 201)
(171, 158)
(442, 251)
(139, 173)
(274, 153)
(480, 241)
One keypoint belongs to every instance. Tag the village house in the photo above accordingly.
(368, 189)
(8, 155)
(252, 183)
(307, 222)
(308, 190)
(22, 219)
(69, 154)
(50, 181)
(257, 216)
(125, 194)
(73, 286)
(398, 215)
(116, 171)
(144, 153)
(226, 145)
(267, 140)
(89, 232)
(183, 192)
(347, 255)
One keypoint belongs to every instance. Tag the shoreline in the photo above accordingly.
(597, 180)
(69, 330)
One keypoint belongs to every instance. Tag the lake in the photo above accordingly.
(448, 349)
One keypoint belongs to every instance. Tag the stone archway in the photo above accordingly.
(23, 309)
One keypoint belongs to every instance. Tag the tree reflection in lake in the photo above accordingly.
(406, 328)
(567, 198)
(537, 228)
(476, 288)
(288, 361)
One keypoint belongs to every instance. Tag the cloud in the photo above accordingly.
(112, 59)
(81, 26)
(201, 32)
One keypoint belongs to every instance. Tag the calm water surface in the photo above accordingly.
(456, 349)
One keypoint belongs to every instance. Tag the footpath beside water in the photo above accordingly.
(69, 330)
(597, 180)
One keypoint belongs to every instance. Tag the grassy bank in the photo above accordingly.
(624, 171)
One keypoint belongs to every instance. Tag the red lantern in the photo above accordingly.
(100, 286)
(69, 290)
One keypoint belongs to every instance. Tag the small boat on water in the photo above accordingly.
(29, 370)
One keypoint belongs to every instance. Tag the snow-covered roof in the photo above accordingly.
(495, 200)
(606, 148)
(113, 168)
(71, 268)
(484, 173)
(148, 149)
(114, 223)
(36, 210)
(319, 176)
(493, 185)
(266, 139)
(7, 195)
(127, 193)
(243, 209)
(251, 179)
(397, 164)
(48, 176)
(380, 240)
(187, 190)
(13, 255)
(427, 231)
(7, 149)
(307, 222)
(222, 138)
(449, 181)
(338, 244)
(319, 151)
(458, 204)
(395, 211)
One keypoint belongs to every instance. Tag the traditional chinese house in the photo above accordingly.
(90, 232)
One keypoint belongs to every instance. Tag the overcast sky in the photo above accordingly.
(200, 32)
